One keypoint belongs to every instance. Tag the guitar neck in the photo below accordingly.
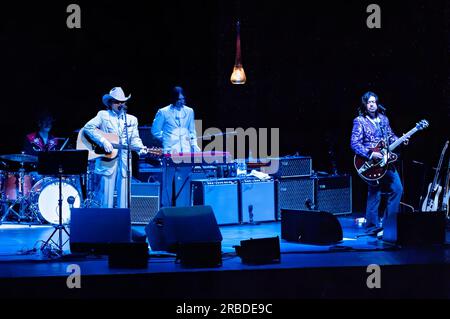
(438, 170)
(402, 139)
(121, 146)
(447, 179)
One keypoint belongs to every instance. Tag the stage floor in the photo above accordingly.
(325, 267)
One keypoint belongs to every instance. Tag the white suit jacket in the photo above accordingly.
(176, 129)
(110, 122)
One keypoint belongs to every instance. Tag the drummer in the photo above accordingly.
(42, 139)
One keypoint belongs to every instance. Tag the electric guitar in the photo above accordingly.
(446, 193)
(373, 169)
(96, 151)
(430, 203)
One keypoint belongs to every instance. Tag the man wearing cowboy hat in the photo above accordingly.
(113, 173)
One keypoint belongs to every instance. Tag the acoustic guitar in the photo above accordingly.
(446, 192)
(431, 201)
(84, 142)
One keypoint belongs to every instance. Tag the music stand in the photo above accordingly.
(59, 164)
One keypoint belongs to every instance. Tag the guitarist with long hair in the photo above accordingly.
(369, 128)
(114, 171)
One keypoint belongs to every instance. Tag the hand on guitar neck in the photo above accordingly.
(109, 146)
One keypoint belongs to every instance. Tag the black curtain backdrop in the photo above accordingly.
(307, 66)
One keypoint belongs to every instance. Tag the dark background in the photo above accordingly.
(307, 66)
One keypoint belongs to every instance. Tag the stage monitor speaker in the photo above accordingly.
(173, 226)
(221, 194)
(257, 200)
(334, 194)
(295, 193)
(415, 228)
(92, 229)
(259, 251)
(310, 227)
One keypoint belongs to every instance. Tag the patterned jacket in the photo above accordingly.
(366, 134)
(34, 143)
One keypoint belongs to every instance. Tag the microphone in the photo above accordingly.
(381, 107)
(122, 107)
(309, 203)
(71, 201)
(250, 213)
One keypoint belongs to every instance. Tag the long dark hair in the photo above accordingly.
(175, 93)
(364, 99)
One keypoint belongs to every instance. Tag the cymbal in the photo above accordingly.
(21, 158)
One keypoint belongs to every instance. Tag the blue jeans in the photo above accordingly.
(392, 184)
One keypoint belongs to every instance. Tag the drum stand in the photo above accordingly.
(21, 199)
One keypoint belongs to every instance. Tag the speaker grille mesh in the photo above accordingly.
(336, 201)
(294, 192)
(294, 167)
(334, 194)
(143, 209)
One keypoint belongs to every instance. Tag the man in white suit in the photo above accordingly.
(114, 173)
(174, 126)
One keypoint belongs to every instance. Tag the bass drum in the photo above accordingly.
(45, 196)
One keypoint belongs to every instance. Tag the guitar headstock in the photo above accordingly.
(423, 124)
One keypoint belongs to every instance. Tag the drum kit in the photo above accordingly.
(26, 196)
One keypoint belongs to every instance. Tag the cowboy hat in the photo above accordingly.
(115, 94)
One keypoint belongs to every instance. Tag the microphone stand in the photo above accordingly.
(128, 158)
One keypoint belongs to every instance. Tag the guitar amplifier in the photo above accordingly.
(257, 200)
(295, 193)
(334, 194)
(295, 166)
(221, 194)
(144, 202)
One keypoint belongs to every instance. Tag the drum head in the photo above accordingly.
(47, 199)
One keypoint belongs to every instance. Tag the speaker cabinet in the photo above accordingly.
(257, 200)
(295, 193)
(93, 229)
(415, 228)
(334, 194)
(311, 227)
(295, 166)
(174, 226)
(221, 195)
(144, 202)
